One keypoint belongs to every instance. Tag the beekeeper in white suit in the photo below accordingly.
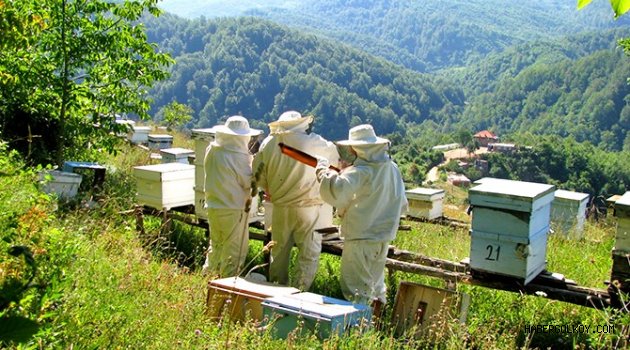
(369, 197)
(228, 190)
(293, 191)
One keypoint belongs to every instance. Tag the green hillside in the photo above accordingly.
(429, 35)
(259, 69)
(573, 86)
(557, 89)
(100, 283)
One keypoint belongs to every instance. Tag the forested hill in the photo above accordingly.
(423, 35)
(259, 69)
(576, 87)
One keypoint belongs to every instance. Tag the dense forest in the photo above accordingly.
(259, 69)
(421, 35)
(576, 87)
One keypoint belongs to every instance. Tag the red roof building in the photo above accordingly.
(485, 137)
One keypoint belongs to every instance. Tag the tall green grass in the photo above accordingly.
(102, 285)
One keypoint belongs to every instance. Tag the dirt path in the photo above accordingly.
(458, 153)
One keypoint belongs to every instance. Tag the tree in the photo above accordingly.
(176, 114)
(78, 65)
(619, 6)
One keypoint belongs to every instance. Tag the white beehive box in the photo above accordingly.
(160, 141)
(139, 134)
(129, 126)
(63, 184)
(165, 186)
(568, 212)
(241, 298)
(509, 207)
(425, 203)
(510, 223)
(201, 138)
(172, 155)
(622, 213)
(309, 313)
(520, 257)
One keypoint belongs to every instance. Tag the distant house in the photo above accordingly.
(501, 147)
(458, 180)
(485, 137)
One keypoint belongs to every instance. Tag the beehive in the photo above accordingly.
(568, 212)
(179, 155)
(201, 138)
(425, 203)
(309, 313)
(139, 134)
(165, 186)
(63, 184)
(424, 308)
(509, 227)
(520, 257)
(245, 297)
(622, 213)
(160, 141)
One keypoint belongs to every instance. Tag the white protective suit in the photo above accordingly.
(293, 191)
(228, 182)
(370, 197)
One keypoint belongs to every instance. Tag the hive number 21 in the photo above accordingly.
(493, 252)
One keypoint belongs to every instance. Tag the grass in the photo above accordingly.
(100, 285)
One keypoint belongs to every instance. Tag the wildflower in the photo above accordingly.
(541, 294)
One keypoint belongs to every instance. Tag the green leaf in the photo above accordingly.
(620, 6)
(582, 3)
(17, 329)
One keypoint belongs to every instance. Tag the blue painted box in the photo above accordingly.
(309, 313)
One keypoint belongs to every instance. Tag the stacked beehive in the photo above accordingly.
(568, 212)
(202, 138)
(509, 227)
(621, 251)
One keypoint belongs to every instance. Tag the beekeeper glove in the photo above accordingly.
(321, 168)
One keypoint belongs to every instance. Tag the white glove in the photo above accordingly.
(321, 168)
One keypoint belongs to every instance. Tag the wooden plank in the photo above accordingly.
(548, 285)
(407, 256)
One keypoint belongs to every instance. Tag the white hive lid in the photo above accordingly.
(317, 304)
(177, 151)
(623, 201)
(571, 195)
(422, 193)
(160, 136)
(513, 195)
